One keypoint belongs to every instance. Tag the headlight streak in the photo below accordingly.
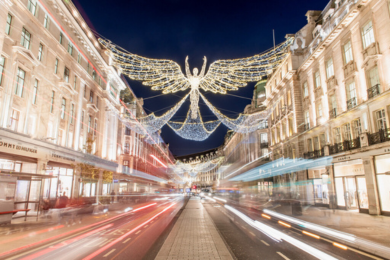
(220, 199)
(102, 249)
(315, 227)
(279, 236)
(210, 198)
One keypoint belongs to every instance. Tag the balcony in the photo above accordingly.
(345, 146)
(331, 83)
(333, 113)
(315, 154)
(318, 92)
(349, 69)
(371, 50)
(263, 145)
(374, 91)
(383, 135)
(351, 103)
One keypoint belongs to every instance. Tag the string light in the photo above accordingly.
(194, 129)
(195, 167)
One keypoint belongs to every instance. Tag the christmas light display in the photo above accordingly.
(222, 76)
(195, 167)
(194, 129)
(243, 123)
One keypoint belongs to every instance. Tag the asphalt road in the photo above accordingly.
(247, 242)
(126, 236)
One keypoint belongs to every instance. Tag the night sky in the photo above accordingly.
(173, 29)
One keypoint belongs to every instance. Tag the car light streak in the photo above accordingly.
(220, 199)
(310, 234)
(340, 246)
(144, 207)
(33, 234)
(65, 243)
(315, 227)
(284, 224)
(69, 232)
(277, 235)
(265, 216)
(210, 198)
(101, 250)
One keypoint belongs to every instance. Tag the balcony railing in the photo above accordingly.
(333, 113)
(383, 135)
(351, 103)
(374, 91)
(263, 145)
(314, 154)
(345, 146)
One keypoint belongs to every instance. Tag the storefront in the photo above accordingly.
(321, 184)
(62, 182)
(350, 184)
(382, 167)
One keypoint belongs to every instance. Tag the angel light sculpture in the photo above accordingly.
(222, 76)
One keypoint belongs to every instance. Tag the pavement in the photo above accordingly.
(194, 236)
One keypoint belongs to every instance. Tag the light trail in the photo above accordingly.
(29, 235)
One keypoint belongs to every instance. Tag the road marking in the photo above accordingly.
(285, 257)
(146, 226)
(243, 227)
(126, 240)
(105, 242)
(252, 234)
(109, 253)
(138, 232)
(265, 243)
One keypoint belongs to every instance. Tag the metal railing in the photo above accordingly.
(345, 146)
(374, 91)
(351, 103)
(315, 154)
(383, 135)
(263, 145)
(333, 113)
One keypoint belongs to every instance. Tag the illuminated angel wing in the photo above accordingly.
(164, 75)
(225, 75)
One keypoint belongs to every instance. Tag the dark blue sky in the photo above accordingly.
(173, 29)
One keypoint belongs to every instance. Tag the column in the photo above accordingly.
(373, 198)
(331, 187)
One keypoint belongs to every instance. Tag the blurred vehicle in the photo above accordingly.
(205, 192)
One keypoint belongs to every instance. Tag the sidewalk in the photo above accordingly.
(194, 236)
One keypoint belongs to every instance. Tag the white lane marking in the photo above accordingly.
(126, 240)
(265, 243)
(138, 232)
(105, 242)
(109, 253)
(252, 234)
(243, 227)
(285, 257)
(146, 226)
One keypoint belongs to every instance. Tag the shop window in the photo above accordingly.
(25, 39)
(2, 65)
(20, 77)
(348, 56)
(380, 119)
(382, 165)
(14, 120)
(329, 68)
(368, 35)
(32, 6)
(8, 25)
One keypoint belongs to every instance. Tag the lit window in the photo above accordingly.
(14, 120)
(348, 52)
(35, 92)
(71, 113)
(20, 82)
(26, 38)
(329, 68)
(351, 94)
(32, 6)
(56, 67)
(381, 119)
(347, 132)
(40, 52)
(8, 25)
(374, 77)
(52, 102)
(319, 110)
(2, 65)
(317, 79)
(357, 128)
(307, 119)
(368, 35)
(305, 90)
(46, 21)
(66, 75)
(63, 107)
(70, 48)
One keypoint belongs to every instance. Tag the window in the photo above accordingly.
(381, 119)
(322, 140)
(317, 79)
(305, 90)
(347, 132)
(79, 58)
(26, 38)
(14, 120)
(97, 101)
(127, 131)
(20, 82)
(374, 77)
(357, 128)
(368, 35)
(329, 69)
(46, 21)
(113, 91)
(40, 52)
(35, 92)
(309, 145)
(52, 102)
(88, 67)
(82, 119)
(333, 102)
(75, 82)
(61, 38)
(348, 52)
(337, 135)
(316, 143)
(319, 110)
(89, 123)
(351, 94)
(8, 25)
(56, 67)
(307, 119)
(125, 163)
(289, 98)
(63, 107)
(2, 65)
(32, 6)
(71, 113)
(70, 48)
(91, 96)
(94, 75)
(66, 75)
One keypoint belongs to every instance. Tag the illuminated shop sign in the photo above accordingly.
(17, 147)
